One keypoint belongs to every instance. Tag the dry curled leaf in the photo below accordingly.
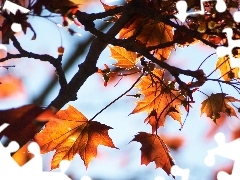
(218, 103)
(125, 59)
(154, 149)
(159, 100)
(71, 133)
(227, 73)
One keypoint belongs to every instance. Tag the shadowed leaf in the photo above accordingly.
(223, 64)
(154, 149)
(23, 124)
(150, 33)
(217, 103)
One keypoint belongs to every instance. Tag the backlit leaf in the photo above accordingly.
(71, 133)
(108, 7)
(227, 73)
(125, 59)
(60, 6)
(154, 149)
(159, 100)
(217, 103)
(151, 33)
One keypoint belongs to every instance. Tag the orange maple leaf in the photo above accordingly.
(159, 100)
(125, 59)
(152, 33)
(217, 103)
(71, 133)
(227, 73)
(154, 149)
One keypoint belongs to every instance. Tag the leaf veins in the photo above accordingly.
(227, 73)
(125, 59)
(217, 103)
(154, 149)
(150, 33)
(159, 100)
(71, 133)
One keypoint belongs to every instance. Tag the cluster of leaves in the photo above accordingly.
(143, 34)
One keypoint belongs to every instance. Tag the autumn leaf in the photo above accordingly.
(108, 7)
(19, 18)
(71, 133)
(60, 6)
(125, 59)
(217, 103)
(154, 149)
(159, 100)
(10, 86)
(174, 142)
(227, 73)
(152, 33)
(23, 124)
(214, 39)
(183, 39)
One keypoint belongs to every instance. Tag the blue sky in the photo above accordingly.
(93, 96)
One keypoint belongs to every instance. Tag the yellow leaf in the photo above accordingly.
(159, 100)
(217, 103)
(71, 133)
(227, 73)
(125, 59)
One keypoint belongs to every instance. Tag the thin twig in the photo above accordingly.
(117, 97)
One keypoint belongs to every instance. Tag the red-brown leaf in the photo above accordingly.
(154, 149)
(23, 125)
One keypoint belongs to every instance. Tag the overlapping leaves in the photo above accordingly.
(71, 133)
(159, 99)
(150, 33)
(24, 122)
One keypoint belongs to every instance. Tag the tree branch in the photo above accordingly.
(56, 62)
(88, 67)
